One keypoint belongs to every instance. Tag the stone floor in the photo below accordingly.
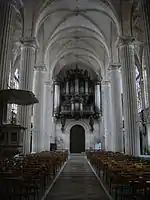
(77, 182)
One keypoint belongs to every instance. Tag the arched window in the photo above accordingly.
(15, 86)
(145, 84)
(138, 91)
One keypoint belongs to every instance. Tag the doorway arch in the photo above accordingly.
(77, 139)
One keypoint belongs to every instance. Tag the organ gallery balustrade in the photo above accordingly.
(78, 95)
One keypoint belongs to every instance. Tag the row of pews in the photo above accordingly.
(126, 177)
(27, 177)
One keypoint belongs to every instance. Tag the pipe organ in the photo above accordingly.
(77, 96)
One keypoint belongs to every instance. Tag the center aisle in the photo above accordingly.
(77, 182)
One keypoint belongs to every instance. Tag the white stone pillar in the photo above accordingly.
(115, 78)
(48, 113)
(56, 97)
(7, 21)
(98, 96)
(107, 113)
(38, 135)
(26, 83)
(132, 146)
(145, 11)
(53, 130)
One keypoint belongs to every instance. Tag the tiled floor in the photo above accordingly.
(77, 182)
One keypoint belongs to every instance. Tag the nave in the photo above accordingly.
(77, 181)
(94, 175)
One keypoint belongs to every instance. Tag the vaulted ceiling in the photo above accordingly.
(76, 31)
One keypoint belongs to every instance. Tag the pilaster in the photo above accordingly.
(7, 22)
(38, 114)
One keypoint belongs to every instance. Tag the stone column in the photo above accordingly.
(38, 114)
(145, 8)
(67, 86)
(107, 136)
(7, 21)
(53, 130)
(86, 87)
(115, 77)
(26, 83)
(132, 140)
(145, 11)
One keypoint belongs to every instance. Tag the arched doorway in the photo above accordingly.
(77, 139)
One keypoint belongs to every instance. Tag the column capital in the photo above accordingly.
(125, 40)
(48, 83)
(40, 68)
(97, 82)
(114, 66)
(29, 42)
(106, 82)
(55, 82)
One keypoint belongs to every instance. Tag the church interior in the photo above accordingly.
(74, 99)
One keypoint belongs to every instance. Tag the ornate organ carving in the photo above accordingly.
(77, 96)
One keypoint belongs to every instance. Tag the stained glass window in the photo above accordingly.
(138, 91)
(15, 86)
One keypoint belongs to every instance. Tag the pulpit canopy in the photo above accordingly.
(19, 97)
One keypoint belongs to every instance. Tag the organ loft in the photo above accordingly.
(77, 98)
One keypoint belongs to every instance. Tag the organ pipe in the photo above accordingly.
(67, 86)
(81, 108)
(77, 85)
(86, 87)
(72, 108)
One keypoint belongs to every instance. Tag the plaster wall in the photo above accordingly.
(91, 138)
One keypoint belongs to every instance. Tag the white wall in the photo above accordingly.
(90, 137)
